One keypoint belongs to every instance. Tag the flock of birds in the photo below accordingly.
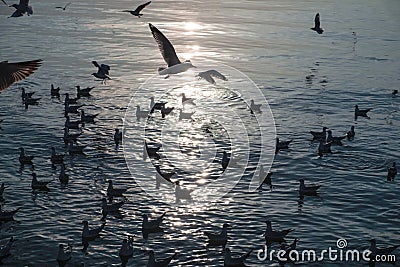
(14, 72)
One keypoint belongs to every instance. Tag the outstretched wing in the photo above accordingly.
(317, 22)
(14, 72)
(24, 3)
(165, 46)
(217, 74)
(96, 64)
(139, 8)
(67, 5)
(5, 2)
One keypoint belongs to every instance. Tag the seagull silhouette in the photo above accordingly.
(14, 72)
(64, 7)
(209, 76)
(21, 8)
(136, 12)
(317, 25)
(102, 72)
(168, 52)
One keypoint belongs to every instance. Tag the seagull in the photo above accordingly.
(63, 254)
(185, 115)
(71, 124)
(152, 225)
(102, 72)
(88, 118)
(75, 149)
(335, 140)
(219, 239)
(152, 262)
(310, 190)
(265, 178)
(187, 100)
(8, 215)
(126, 250)
(350, 134)
(166, 111)
(23, 159)
(71, 109)
(70, 137)
(255, 107)
(40, 185)
(287, 249)
(392, 171)
(110, 207)
(13, 72)
(136, 12)
(395, 92)
(360, 112)
(324, 148)
(156, 105)
(54, 92)
(274, 235)
(182, 193)
(225, 160)
(83, 92)
(117, 137)
(22, 8)
(319, 135)
(68, 100)
(64, 7)
(5, 249)
(56, 158)
(381, 251)
(63, 177)
(2, 188)
(91, 234)
(209, 74)
(281, 145)
(317, 25)
(25, 95)
(114, 192)
(174, 65)
(141, 114)
(234, 262)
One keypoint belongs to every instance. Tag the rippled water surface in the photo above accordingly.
(270, 42)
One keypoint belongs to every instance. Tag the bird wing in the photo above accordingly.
(96, 64)
(317, 22)
(165, 46)
(29, 9)
(16, 13)
(139, 8)
(67, 5)
(217, 74)
(23, 3)
(4, 2)
(14, 72)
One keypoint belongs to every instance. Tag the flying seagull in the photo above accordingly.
(209, 76)
(102, 72)
(64, 7)
(14, 72)
(21, 8)
(317, 25)
(168, 52)
(136, 12)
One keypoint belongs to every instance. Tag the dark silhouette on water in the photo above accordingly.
(317, 25)
(392, 172)
(64, 7)
(361, 112)
(21, 8)
(136, 12)
(102, 72)
(14, 72)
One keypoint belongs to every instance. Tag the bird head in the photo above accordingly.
(190, 64)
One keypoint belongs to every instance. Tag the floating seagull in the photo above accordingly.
(335, 140)
(392, 172)
(324, 148)
(182, 193)
(234, 262)
(25, 95)
(361, 112)
(317, 25)
(75, 149)
(310, 190)
(281, 145)
(152, 225)
(219, 239)
(255, 107)
(83, 92)
(274, 235)
(54, 92)
(115, 192)
(152, 262)
(110, 207)
(63, 254)
(141, 114)
(350, 134)
(174, 65)
(381, 251)
(71, 109)
(8, 215)
(88, 118)
(56, 158)
(64, 7)
(136, 12)
(117, 137)
(63, 177)
(5, 249)
(23, 159)
(91, 234)
(69, 100)
(395, 92)
(225, 160)
(209, 74)
(71, 124)
(39, 185)
(185, 115)
(265, 178)
(68, 137)
(319, 135)
(126, 250)
(166, 111)
(187, 100)
(22, 8)
(156, 105)
(102, 72)
(13, 72)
